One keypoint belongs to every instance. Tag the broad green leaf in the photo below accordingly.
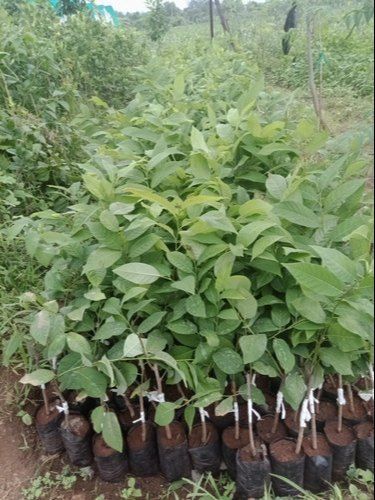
(249, 233)
(112, 434)
(228, 360)
(189, 415)
(109, 221)
(340, 361)
(109, 329)
(142, 245)
(343, 339)
(257, 206)
(284, 355)
(40, 327)
(198, 142)
(186, 284)
(78, 343)
(253, 347)
(358, 323)
(180, 261)
(297, 214)
(102, 258)
(225, 407)
(95, 294)
(138, 273)
(294, 390)
(38, 377)
(344, 268)
(262, 244)
(164, 414)
(97, 419)
(133, 346)
(151, 322)
(280, 315)
(218, 220)
(310, 309)
(87, 379)
(317, 279)
(196, 307)
(276, 186)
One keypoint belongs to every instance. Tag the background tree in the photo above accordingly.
(158, 21)
(69, 7)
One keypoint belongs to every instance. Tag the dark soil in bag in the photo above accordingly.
(76, 434)
(229, 448)
(286, 463)
(205, 456)
(264, 429)
(330, 390)
(253, 474)
(173, 453)
(143, 455)
(112, 465)
(84, 407)
(325, 411)
(343, 445)
(292, 424)
(220, 423)
(318, 464)
(365, 446)
(48, 428)
(126, 419)
(359, 415)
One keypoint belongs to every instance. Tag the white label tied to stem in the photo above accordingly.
(156, 397)
(64, 408)
(305, 415)
(341, 397)
(280, 405)
(236, 411)
(366, 395)
(251, 411)
(142, 418)
(204, 414)
(312, 402)
(43, 387)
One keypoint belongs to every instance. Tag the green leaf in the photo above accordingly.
(109, 329)
(280, 315)
(133, 346)
(294, 390)
(343, 339)
(112, 434)
(256, 206)
(284, 355)
(276, 186)
(225, 407)
(357, 322)
(315, 278)
(218, 220)
(138, 273)
(198, 142)
(253, 347)
(87, 379)
(164, 414)
(310, 309)
(195, 306)
(102, 258)
(189, 415)
(180, 261)
(38, 377)
(109, 221)
(150, 322)
(142, 245)
(228, 361)
(40, 327)
(95, 294)
(340, 362)
(262, 244)
(186, 285)
(297, 214)
(78, 343)
(249, 233)
(97, 419)
(338, 263)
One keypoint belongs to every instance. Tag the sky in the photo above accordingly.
(137, 5)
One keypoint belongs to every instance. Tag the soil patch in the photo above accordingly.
(364, 430)
(343, 438)
(323, 450)
(327, 411)
(229, 438)
(264, 429)
(246, 455)
(284, 451)
(77, 425)
(178, 435)
(196, 435)
(360, 412)
(42, 418)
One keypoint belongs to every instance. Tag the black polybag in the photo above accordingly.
(78, 448)
(112, 469)
(251, 477)
(365, 453)
(49, 435)
(229, 456)
(343, 458)
(207, 458)
(318, 473)
(293, 470)
(144, 461)
(174, 460)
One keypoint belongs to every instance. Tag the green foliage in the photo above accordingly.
(69, 7)
(157, 19)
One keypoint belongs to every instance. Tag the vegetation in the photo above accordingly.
(161, 219)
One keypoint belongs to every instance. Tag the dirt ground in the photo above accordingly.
(22, 460)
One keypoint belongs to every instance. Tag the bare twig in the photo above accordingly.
(251, 431)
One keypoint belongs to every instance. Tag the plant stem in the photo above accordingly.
(204, 429)
(142, 410)
(251, 432)
(301, 434)
(236, 422)
(45, 400)
(159, 385)
(351, 398)
(129, 406)
(275, 422)
(339, 426)
(181, 391)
